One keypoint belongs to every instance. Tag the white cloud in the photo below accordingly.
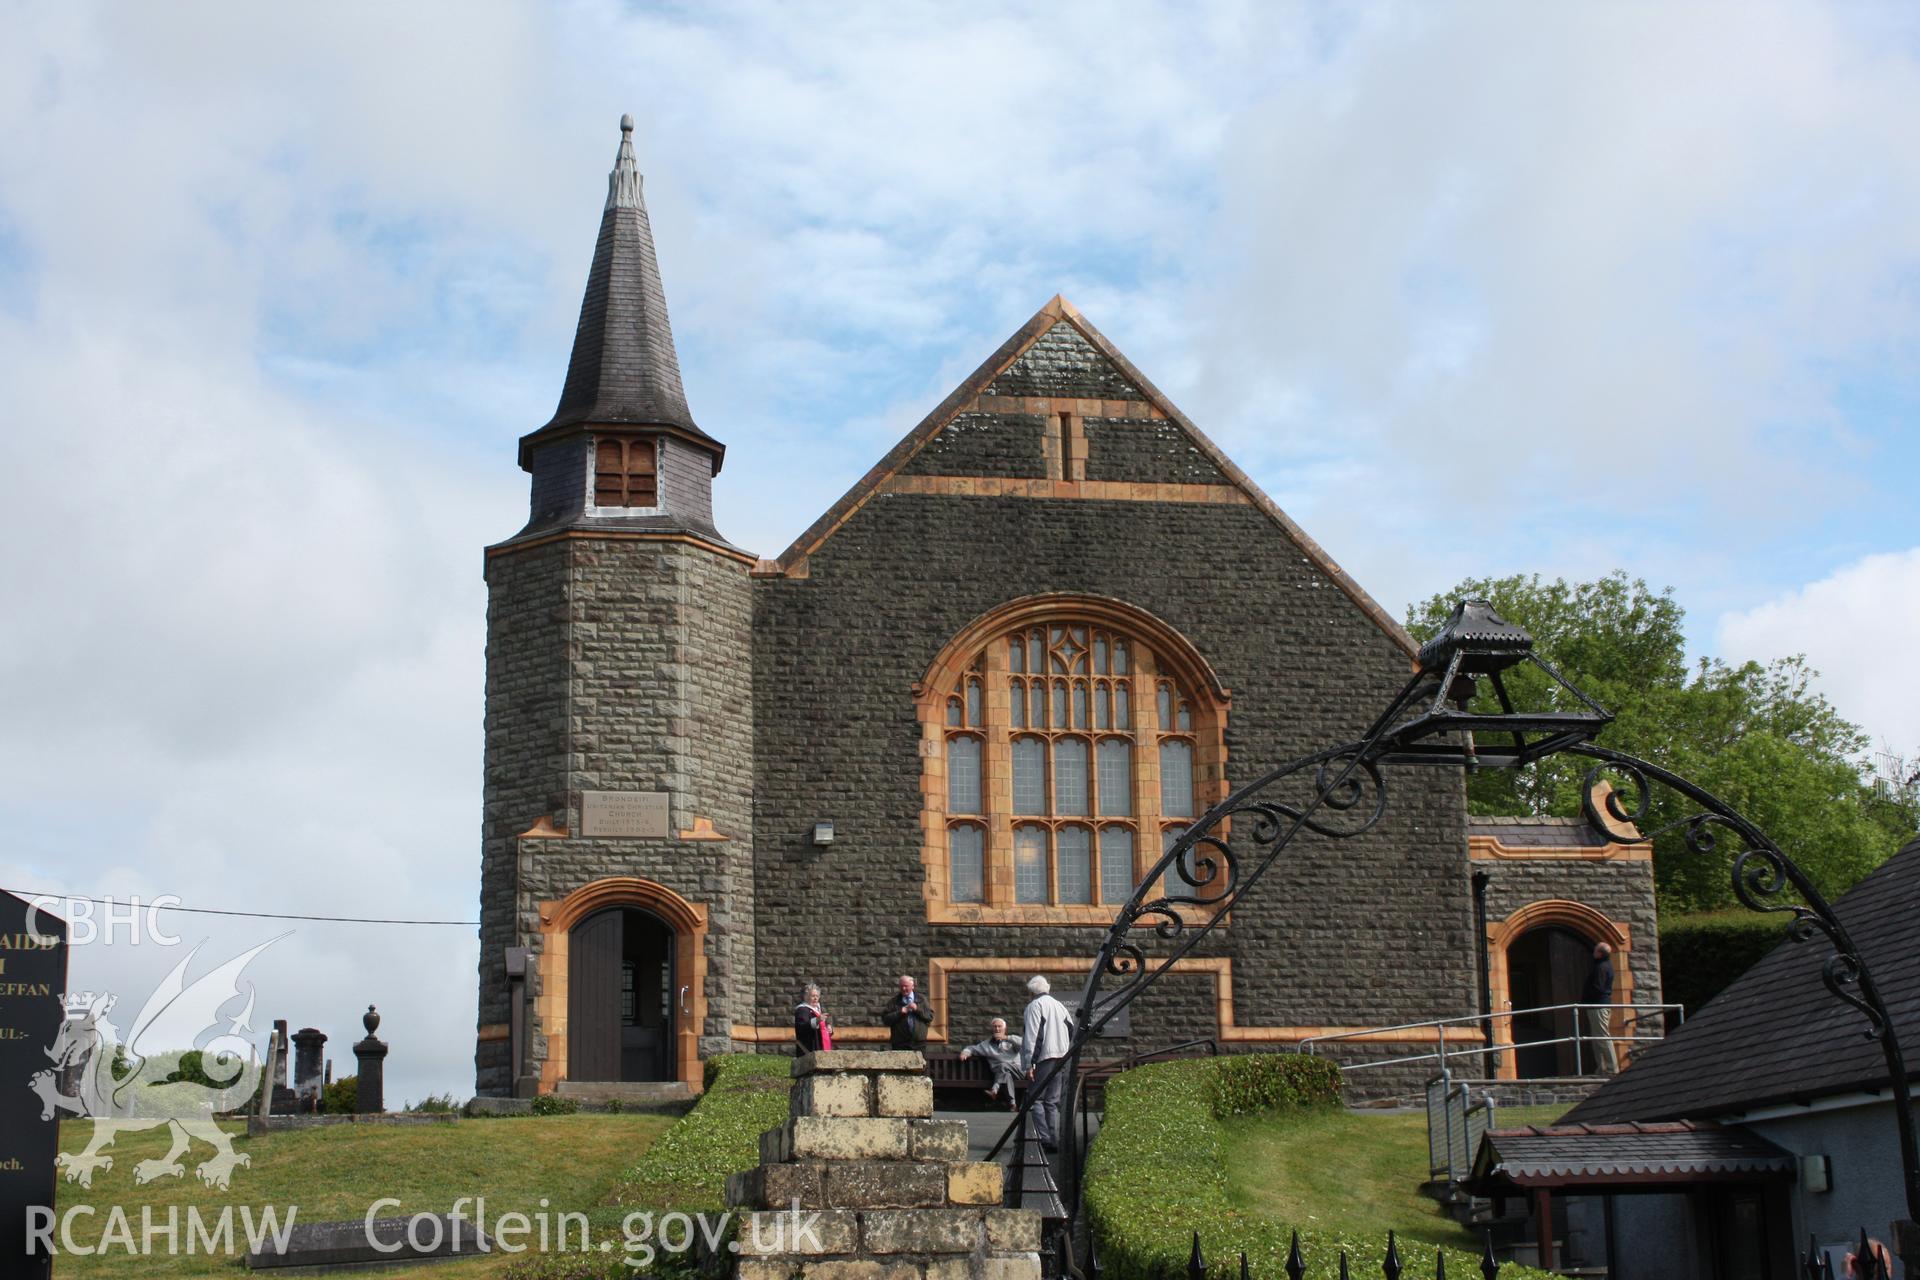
(1856, 627)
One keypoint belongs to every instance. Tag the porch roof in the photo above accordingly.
(1624, 1156)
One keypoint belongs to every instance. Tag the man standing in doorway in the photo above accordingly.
(1597, 1017)
(907, 1016)
(1047, 1032)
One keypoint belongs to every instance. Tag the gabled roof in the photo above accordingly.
(1777, 1034)
(1059, 311)
(624, 370)
(1623, 1155)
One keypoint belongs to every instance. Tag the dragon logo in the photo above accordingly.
(143, 1082)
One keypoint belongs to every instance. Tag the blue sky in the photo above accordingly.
(1469, 289)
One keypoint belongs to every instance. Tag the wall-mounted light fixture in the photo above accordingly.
(823, 833)
(1816, 1173)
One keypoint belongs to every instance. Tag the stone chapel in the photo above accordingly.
(945, 731)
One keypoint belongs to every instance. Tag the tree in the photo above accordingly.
(1758, 735)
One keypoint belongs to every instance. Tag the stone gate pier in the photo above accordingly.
(861, 1183)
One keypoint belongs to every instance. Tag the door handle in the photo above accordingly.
(685, 1010)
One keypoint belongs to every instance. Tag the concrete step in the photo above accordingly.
(637, 1094)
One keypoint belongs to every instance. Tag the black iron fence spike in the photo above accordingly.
(1390, 1265)
(1439, 1264)
(1867, 1266)
(1243, 1264)
(1296, 1266)
(1196, 1265)
(1343, 1265)
(1489, 1265)
(1812, 1263)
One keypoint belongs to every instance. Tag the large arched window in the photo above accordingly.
(1067, 742)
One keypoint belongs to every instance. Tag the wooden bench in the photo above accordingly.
(951, 1072)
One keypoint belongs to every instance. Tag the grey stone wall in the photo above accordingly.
(984, 444)
(1146, 451)
(1621, 890)
(1362, 932)
(639, 679)
(1062, 363)
(525, 765)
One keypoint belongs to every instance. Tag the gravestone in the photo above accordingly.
(370, 1093)
(309, 1055)
(33, 984)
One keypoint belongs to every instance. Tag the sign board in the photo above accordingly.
(33, 984)
(624, 814)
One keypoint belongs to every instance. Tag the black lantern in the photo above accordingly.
(1478, 644)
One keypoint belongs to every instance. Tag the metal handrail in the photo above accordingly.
(1443, 1054)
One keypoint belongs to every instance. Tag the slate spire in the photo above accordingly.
(624, 369)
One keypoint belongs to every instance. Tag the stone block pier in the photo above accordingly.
(888, 1190)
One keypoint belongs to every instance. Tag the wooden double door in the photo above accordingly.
(621, 1001)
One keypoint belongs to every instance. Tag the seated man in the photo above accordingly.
(1002, 1053)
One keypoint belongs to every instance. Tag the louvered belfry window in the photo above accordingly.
(1070, 750)
(625, 472)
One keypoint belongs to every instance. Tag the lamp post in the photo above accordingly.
(1440, 718)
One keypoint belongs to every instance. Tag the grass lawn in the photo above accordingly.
(1347, 1173)
(335, 1173)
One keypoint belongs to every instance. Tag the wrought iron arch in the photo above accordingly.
(1341, 792)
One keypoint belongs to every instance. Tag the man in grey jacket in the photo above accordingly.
(1048, 1032)
(1002, 1054)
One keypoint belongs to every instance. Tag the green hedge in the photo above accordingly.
(1700, 955)
(687, 1168)
(1157, 1173)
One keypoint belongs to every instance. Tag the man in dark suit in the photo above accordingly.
(1596, 997)
(907, 1015)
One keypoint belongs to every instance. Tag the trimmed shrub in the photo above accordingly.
(1701, 955)
(687, 1168)
(1248, 1083)
(552, 1104)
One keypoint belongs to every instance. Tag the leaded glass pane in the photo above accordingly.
(1176, 779)
(1074, 863)
(963, 775)
(1079, 705)
(1018, 705)
(1122, 707)
(1037, 698)
(966, 864)
(1033, 653)
(1103, 707)
(953, 712)
(1070, 776)
(1030, 864)
(1116, 778)
(1016, 655)
(1029, 775)
(1100, 655)
(1166, 707)
(973, 704)
(1116, 864)
(1185, 719)
(1119, 657)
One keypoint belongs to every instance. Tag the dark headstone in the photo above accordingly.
(370, 1092)
(33, 984)
(309, 1062)
(345, 1245)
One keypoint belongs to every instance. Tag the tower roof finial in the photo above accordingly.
(623, 184)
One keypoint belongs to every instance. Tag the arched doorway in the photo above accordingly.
(597, 1019)
(1546, 966)
(620, 996)
(1539, 956)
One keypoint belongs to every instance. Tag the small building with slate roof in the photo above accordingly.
(1768, 1117)
(945, 731)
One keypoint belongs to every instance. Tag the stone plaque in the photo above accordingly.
(623, 814)
(33, 984)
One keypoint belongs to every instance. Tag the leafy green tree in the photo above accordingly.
(1758, 735)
